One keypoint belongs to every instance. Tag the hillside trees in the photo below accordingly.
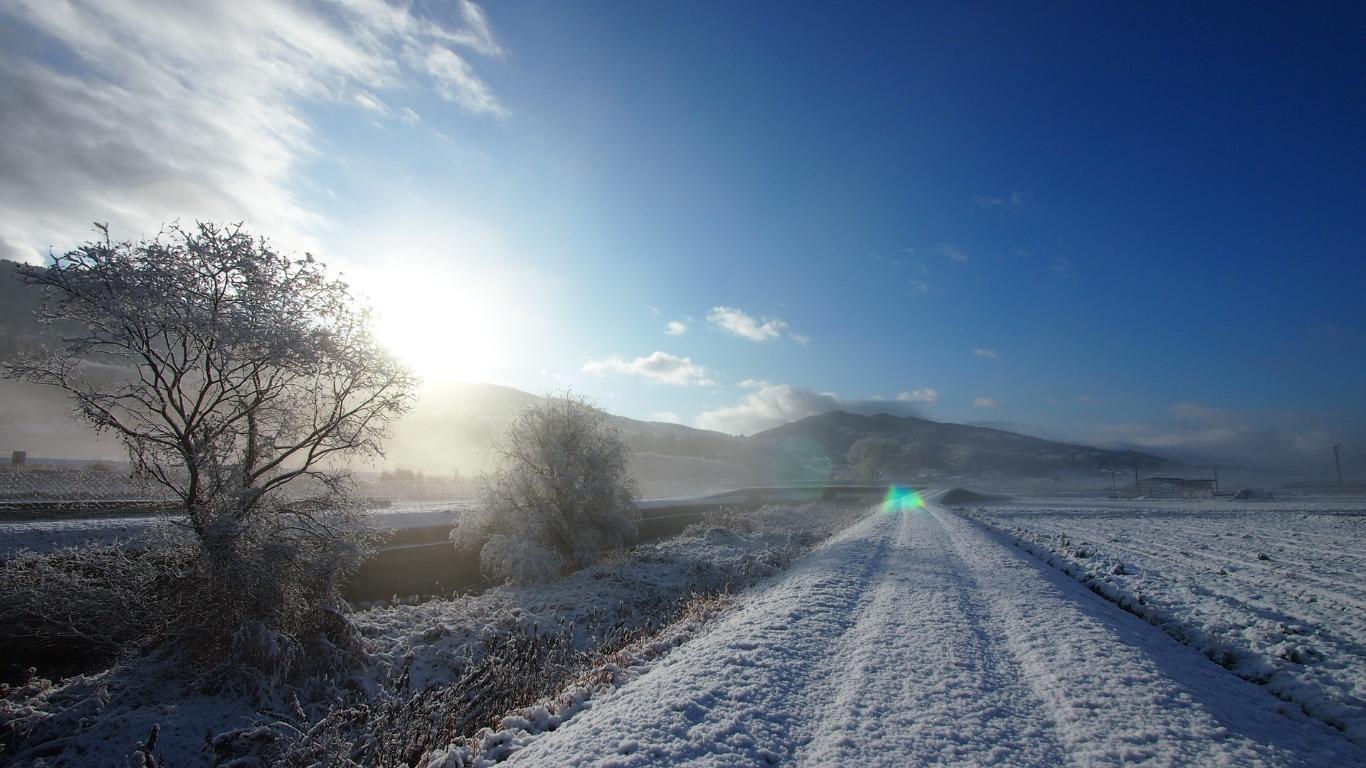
(876, 458)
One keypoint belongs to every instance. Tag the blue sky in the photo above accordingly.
(1116, 225)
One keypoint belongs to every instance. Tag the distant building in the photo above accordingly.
(18, 458)
(1167, 487)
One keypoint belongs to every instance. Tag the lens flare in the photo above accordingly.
(901, 500)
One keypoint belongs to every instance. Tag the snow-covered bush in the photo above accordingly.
(505, 559)
(562, 498)
(266, 600)
(249, 605)
(78, 606)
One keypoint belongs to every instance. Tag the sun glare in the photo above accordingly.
(447, 330)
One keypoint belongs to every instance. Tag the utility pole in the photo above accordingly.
(1216, 479)
(1137, 492)
(1337, 462)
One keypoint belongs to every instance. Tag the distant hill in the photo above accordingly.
(453, 427)
(938, 447)
(468, 418)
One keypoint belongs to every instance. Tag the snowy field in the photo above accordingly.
(922, 638)
(1273, 591)
(49, 535)
(421, 654)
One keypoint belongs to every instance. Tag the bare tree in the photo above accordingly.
(562, 498)
(226, 368)
(229, 371)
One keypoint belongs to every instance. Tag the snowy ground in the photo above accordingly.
(49, 535)
(1274, 591)
(920, 637)
(95, 720)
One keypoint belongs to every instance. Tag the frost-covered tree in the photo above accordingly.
(562, 497)
(228, 370)
(225, 367)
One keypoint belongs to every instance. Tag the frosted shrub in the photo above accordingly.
(518, 561)
(80, 605)
(562, 498)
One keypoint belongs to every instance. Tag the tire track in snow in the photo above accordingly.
(737, 698)
(1123, 691)
(925, 639)
(921, 678)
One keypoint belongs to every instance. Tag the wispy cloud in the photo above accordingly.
(1062, 265)
(954, 253)
(658, 366)
(738, 323)
(675, 328)
(987, 352)
(1278, 441)
(456, 82)
(199, 110)
(984, 402)
(1013, 200)
(754, 384)
(771, 405)
(924, 395)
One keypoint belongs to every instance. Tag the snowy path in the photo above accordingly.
(920, 638)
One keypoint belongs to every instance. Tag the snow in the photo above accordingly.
(96, 719)
(922, 638)
(1274, 591)
(52, 534)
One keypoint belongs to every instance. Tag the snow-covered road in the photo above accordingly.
(918, 637)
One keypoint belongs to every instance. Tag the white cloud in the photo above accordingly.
(370, 102)
(666, 416)
(457, 83)
(924, 395)
(139, 113)
(984, 402)
(676, 328)
(769, 407)
(1013, 200)
(954, 253)
(737, 322)
(659, 366)
(1062, 265)
(984, 352)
